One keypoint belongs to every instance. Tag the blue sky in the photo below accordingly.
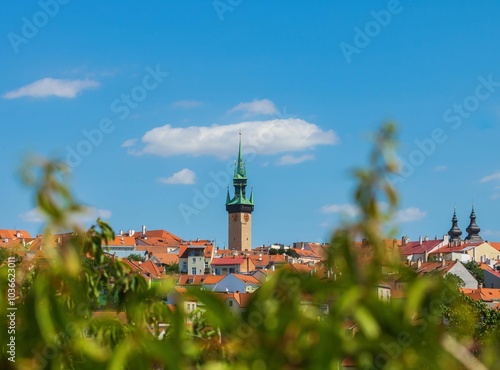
(145, 102)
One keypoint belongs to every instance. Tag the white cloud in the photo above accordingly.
(409, 214)
(129, 143)
(349, 210)
(289, 159)
(33, 215)
(52, 87)
(492, 233)
(187, 104)
(259, 137)
(92, 213)
(88, 214)
(184, 177)
(440, 168)
(494, 176)
(255, 107)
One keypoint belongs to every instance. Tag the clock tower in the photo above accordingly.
(239, 210)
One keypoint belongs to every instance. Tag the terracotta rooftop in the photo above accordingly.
(482, 294)
(247, 279)
(417, 248)
(227, 261)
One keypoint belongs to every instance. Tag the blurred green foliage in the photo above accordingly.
(435, 327)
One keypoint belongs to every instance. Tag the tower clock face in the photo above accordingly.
(234, 217)
(246, 217)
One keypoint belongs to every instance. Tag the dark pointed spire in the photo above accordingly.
(473, 230)
(455, 233)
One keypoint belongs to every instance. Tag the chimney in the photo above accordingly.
(443, 262)
(121, 232)
(273, 268)
(420, 240)
(426, 238)
(446, 239)
(425, 255)
(143, 232)
(419, 263)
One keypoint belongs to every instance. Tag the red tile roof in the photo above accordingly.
(304, 253)
(169, 238)
(417, 248)
(495, 245)
(247, 279)
(225, 261)
(482, 294)
(167, 258)
(12, 234)
(121, 241)
(427, 267)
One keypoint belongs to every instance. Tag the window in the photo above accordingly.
(184, 266)
(193, 270)
(206, 265)
(194, 260)
(230, 302)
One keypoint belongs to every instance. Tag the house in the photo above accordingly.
(210, 282)
(446, 267)
(121, 246)
(491, 279)
(237, 283)
(237, 302)
(155, 237)
(306, 256)
(420, 250)
(320, 249)
(263, 261)
(491, 297)
(263, 275)
(180, 295)
(230, 265)
(195, 257)
(466, 251)
(7, 235)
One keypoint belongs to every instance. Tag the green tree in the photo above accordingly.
(136, 257)
(56, 326)
(475, 270)
(172, 268)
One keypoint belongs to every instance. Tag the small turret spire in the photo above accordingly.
(473, 230)
(455, 233)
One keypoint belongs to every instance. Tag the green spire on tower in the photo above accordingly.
(239, 183)
(240, 171)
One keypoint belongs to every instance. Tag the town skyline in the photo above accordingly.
(147, 109)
